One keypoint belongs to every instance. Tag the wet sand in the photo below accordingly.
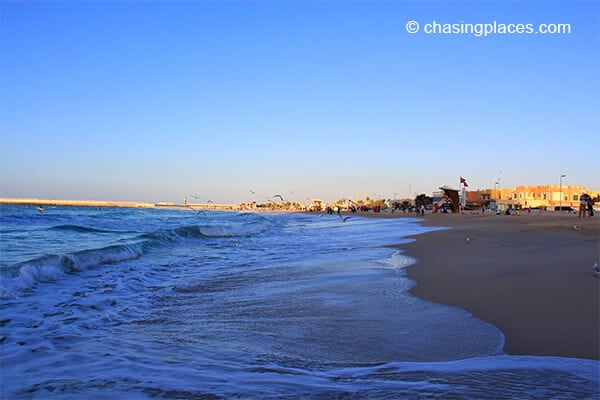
(529, 275)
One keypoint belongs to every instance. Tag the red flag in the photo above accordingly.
(463, 181)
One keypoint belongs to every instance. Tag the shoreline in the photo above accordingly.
(529, 275)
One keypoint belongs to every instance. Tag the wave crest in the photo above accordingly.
(26, 275)
(250, 227)
(17, 278)
(83, 229)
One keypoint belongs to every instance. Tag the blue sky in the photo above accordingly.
(155, 100)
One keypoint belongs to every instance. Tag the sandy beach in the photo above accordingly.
(530, 275)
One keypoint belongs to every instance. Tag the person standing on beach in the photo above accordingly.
(582, 204)
(590, 206)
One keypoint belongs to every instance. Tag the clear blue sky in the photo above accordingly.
(151, 101)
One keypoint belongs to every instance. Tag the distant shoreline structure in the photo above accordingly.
(76, 203)
(36, 202)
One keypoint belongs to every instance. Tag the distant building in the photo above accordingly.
(548, 196)
(212, 206)
(316, 205)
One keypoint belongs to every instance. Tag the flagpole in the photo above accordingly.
(463, 184)
(462, 200)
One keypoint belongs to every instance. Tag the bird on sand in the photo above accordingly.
(469, 239)
(596, 269)
(576, 228)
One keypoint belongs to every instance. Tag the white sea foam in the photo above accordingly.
(398, 260)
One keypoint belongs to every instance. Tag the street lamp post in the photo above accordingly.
(499, 175)
(560, 200)
(498, 183)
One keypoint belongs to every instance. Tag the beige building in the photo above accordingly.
(538, 196)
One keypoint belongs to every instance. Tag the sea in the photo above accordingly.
(180, 304)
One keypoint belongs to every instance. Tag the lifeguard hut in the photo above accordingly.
(449, 197)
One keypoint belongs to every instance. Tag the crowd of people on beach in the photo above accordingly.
(586, 209)
(354, 209)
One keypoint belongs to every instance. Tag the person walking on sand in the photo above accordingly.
(590, 206)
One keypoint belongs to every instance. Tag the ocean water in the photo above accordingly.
(176, 304)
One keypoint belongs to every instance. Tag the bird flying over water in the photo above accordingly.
(278, 195)
(344, 219)
(199, 211)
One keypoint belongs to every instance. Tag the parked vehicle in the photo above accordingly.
(564, 208)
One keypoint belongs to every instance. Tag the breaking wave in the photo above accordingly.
(245, 225)
(26, 275)
(17, 278)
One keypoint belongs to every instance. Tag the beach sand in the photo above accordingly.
(530, 275)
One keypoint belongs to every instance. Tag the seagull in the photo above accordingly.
(596, 269)
(278, 195)
(470, 239)
(344, 218)
(199, 212)
(576, 228)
